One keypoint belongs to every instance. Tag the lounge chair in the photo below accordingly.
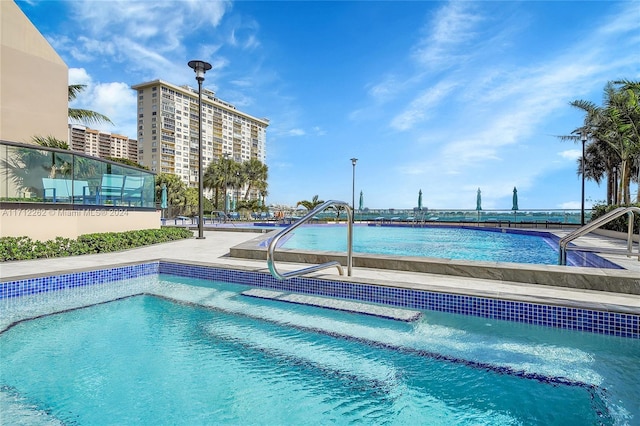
(132, 189)
(110, 189)
(65, 190)
(182, 220)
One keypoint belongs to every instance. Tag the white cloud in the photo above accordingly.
(244, 36)
(419, 108)
(386, 89)
(144, 37)
(318, 131)
(116, 100)
(241, 83)
(79, 76)
(571, 154)
(625, 21)
(295, 132)
(453, 26)
(164, 21)
(113, 98)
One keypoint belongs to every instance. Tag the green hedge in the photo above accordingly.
(22, 248)
(620, 224)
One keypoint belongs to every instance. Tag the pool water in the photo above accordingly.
(151, 360)
(440, 242)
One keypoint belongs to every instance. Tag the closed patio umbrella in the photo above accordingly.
(163, 199)
(515, 199)
(361, 203)
(479, 201)
(420, 200)
(227, 202)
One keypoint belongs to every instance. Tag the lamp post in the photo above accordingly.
(237, 188)
(200, 67)
(353, 189)
(226, 183)
(584, 140)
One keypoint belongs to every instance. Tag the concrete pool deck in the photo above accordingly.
(215, 250)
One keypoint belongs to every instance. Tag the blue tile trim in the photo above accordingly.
(601, 322)
(76, 279)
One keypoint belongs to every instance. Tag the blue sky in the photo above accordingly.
(443, 97)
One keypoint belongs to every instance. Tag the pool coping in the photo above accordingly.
(581, 278)
(510, 291)
(520, 293)
(591, 314)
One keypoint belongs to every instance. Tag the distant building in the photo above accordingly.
(168, 130)
(102, 144)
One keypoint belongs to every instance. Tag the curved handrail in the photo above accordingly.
(274, 242)
(612, 215)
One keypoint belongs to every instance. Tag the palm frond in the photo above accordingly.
(74, 90)
(86, 116)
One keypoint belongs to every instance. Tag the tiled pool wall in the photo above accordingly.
(44, 284)
(601, 322)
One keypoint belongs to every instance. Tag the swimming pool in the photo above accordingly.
(460, 243)
(188, 347)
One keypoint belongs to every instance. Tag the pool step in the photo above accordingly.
(341, 305)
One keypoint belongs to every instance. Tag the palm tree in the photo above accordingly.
(219, 175)
(255, 173)
(600, 162)
(310, 205)
(84, 116)
(630, 123)
(176, 190)
(50, 142)
(613, 128)
(618, 121)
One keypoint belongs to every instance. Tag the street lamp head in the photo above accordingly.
(584, 137)
(353, 161)
(200, 67)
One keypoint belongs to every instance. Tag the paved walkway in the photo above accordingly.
(214, 249)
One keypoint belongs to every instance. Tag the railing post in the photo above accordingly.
(614, 214)
(349, 240)
(274, 243)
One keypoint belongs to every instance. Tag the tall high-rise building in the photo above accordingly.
(168, 130)
(102, 144)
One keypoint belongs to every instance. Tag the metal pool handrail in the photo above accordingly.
(612, 215)
(274, 242)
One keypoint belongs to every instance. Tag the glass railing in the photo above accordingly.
(37, 174)
(530, 216)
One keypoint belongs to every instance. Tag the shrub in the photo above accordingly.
(23, 248)
(620, 224)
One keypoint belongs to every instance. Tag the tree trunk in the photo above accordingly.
(625, 182)
(610, 186)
